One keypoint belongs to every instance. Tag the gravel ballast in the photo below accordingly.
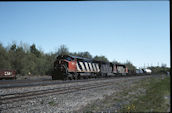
(69, 102)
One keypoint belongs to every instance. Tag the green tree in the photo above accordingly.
(34, 50)
(4, 57)
(163, 65)
(101, 58)
(13, 47)
(116, 62)
(82, 54)
(129, 65)
(159, 70)
(62, 50)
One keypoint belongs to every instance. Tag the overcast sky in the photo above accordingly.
(137, 31)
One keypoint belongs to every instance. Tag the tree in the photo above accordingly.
(13, 47)
(159, 70)
(82, 54)
(4, 58)
(116, 62)
(129, 65)
(34, 50)
(163, 65)
(101, 58)
(63, 50)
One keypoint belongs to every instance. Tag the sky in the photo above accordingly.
(137, 31)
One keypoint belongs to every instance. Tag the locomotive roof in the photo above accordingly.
(77, 57)
(120, 65)
(103, 62)
(87, 59)
(81, 58)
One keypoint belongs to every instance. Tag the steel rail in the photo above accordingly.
(50, 82)
(32, 95)
(11, 98)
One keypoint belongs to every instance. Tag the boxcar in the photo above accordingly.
(7, 74)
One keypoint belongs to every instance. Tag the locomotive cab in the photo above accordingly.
(63, 66)
(63, 62)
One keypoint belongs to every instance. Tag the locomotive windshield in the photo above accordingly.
(68, 58)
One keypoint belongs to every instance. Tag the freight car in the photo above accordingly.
(147, 71)
(7, 74)
(120, 69)
(73, 67)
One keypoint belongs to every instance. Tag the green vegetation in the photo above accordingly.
(146, 95)
(28, 60)
(63, 50)
(160, 70)
(128, 64)
(52, 103)
(153, 100)
(82, 54)
(101, 58)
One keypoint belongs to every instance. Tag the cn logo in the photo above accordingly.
(7, 73)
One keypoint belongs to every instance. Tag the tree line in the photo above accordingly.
(159, 69)
(28, 59)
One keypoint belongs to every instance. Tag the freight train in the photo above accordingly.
(74, 67)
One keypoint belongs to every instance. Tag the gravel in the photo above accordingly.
(69, 102)
(33, 77)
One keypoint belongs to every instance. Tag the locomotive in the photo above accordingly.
(74, 67)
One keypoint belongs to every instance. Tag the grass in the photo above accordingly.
(153, 100)
(52, 103)
(144, 96)
(108, 101)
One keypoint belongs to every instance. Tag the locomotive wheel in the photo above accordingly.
(92, 75)
(84, 77)
(79, 77)
(95, 77)
(54, 78)
(68, 78)
(75, 76)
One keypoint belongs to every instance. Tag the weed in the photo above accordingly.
(52, 103)
(153, 100)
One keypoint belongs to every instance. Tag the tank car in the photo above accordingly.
(139, 71)
(147, 71)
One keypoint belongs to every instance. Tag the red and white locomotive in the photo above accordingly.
(73, 67)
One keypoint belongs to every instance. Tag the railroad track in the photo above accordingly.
(11, 98)
(7, 99)
(35, 83)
